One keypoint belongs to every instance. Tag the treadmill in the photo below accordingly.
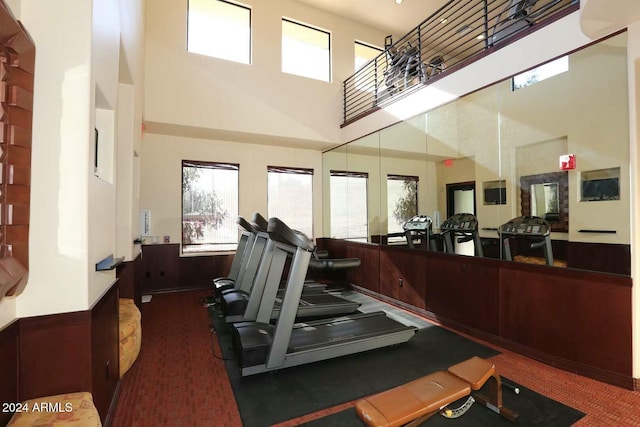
(533, 229)
(261, 346)
(243, 305)
(461, 227)
(419, 228)
(249, 266)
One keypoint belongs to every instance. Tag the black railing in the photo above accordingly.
(457, 34)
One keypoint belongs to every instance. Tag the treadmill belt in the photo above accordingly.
(308, 336)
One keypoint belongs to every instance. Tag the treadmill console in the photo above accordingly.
(462, 222)
(418, 223)
(530, 226)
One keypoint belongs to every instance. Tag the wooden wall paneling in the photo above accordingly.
(161, 265)
(55, 354)
(127, 284)
(576, 317)
(368, 274)
(463, 289)
(337, 248)
(105, 351)
(8, 368)
(138, 277)
(198, 272)
(608, 258)
(403, 275)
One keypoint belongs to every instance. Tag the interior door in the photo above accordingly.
(461, 198)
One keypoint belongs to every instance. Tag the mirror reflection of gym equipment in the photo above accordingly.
(418, 231)
(531, 229)
(461, 228)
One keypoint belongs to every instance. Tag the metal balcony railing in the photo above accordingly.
(457, 34)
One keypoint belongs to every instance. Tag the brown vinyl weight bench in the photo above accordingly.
(412, 403)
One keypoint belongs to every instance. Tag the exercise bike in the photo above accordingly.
(404, 67)
(519, 16)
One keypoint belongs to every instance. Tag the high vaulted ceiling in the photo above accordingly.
(386, 15)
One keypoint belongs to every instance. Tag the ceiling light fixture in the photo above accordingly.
(399, 1)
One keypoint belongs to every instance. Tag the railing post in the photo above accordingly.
(375, 81)
(486, 24)
(344, 101)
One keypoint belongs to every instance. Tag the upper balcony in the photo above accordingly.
(456, 35)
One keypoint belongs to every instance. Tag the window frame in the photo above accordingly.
(291, 171)
(352, 174)
(310, 27)
(403, 178)
(197, 247)
(250, 46)
(531, 73)
(367, 45)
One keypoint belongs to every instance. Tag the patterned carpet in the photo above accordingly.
(180, 380)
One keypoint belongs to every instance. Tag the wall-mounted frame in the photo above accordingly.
(559, 183)
(600, 185)
(494, 192)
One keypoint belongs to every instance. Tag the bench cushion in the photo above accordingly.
(129, 317)
(405, 403)
(71, 409)
(474, 371)
(402, 404)
(130, 334)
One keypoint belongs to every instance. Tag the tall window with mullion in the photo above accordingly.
(402, 201)
(306, 51)
(349, 213)
(209, 206)
(220, 29)
(290, 197)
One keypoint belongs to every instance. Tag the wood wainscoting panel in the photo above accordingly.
(70, 352)
(8, 368)
(574, 316)
(105, 356)
(161, 268)
(604, 257)
(337, 248)
(55, 354)
(463, 290)
(403, 275)
(129, 286)
(197, 272)
(367, 275)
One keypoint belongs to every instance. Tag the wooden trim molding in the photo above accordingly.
(17, 56)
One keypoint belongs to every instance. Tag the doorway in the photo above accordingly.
(461, 198)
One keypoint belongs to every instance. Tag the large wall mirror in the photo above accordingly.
(495, 154)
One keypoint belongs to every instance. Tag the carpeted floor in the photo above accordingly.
(180, 381)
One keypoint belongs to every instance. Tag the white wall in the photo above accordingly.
(61, 130)
(197, 91)
(73, 213)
